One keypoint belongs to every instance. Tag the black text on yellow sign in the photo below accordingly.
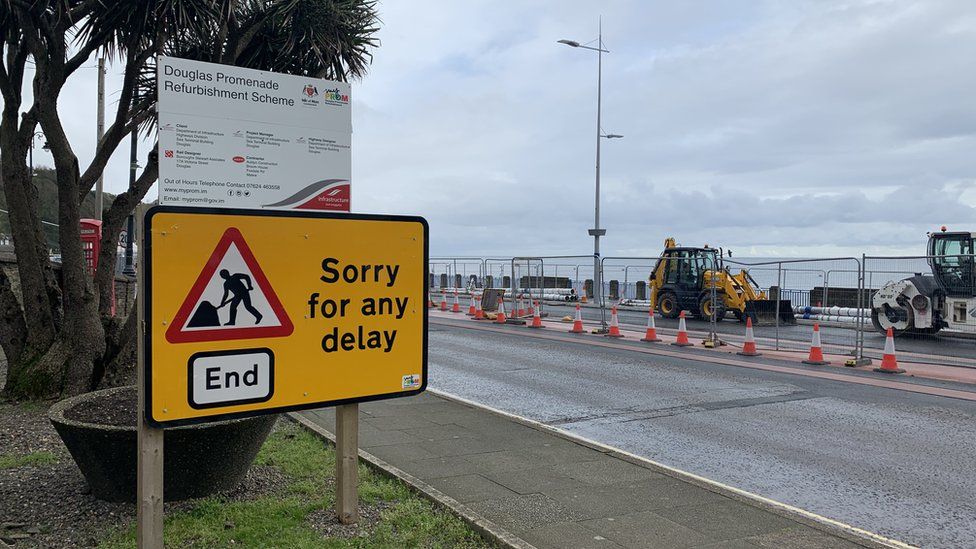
(250, 312)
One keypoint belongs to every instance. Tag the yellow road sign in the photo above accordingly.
(250, 312)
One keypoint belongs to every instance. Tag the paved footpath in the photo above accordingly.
(552, 491)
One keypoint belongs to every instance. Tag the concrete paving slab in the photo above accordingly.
(446, 431)
(399, 422)
(457, 417)
(726, 520)
(530, 457)
(370, 437)
(646, 529)
(502, 461)
(520, 513)
(475, 445)
(799, 538)
(482, 424)
(406, 451)
(567, 534)
(631, 497)
(729, 544)
(439, 467)
(605, 470)
(560, 452)
(535, 480)
(471, 488)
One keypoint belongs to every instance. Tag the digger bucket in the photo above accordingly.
(763, 312)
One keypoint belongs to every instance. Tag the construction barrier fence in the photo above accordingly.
(838, 293)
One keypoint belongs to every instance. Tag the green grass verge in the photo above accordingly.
(280, 521)
(33, 459)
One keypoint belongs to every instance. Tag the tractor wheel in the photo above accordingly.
(667, 305)
(705, 309)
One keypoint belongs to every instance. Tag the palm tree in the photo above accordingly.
(58, 338)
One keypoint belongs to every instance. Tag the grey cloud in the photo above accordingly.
(815, 126)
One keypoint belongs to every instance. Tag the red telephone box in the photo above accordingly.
(91, 238)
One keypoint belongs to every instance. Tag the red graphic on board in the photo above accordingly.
(332, 198)
(186, 326)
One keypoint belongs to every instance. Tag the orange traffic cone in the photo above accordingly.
(456, 308)
(520, 307)
(531, 308)
(889, 364)
(614, 324)
(479, 314)
(577, 322)
(430, 301)
(443, 302)
(749, 346)
(682, 333)
(500, 317)
(816, 352)
(583, 293)
(536, 317)
(471, 308)
(651, 335)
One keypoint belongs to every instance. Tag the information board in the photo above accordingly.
(231, 137)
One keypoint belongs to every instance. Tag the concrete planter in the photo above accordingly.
(199, 460)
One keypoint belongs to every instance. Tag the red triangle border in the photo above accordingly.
(175, 333)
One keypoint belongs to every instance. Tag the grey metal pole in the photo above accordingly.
(713, 332)
(779, 297)
(597, 271)
(129, 269)
(100, 130)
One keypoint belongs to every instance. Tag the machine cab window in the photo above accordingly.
(687, 267)
(952, 262)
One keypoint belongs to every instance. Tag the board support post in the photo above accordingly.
(347, 463)
(149, 439)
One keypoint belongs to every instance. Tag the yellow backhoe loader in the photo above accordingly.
(682, 280)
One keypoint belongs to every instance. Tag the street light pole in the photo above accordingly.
(99, 132)
(30, 153)
(596, 232)
(129, 269)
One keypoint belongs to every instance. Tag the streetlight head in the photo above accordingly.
(572, 43)
(613, 136)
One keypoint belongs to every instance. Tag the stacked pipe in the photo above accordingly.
(545, 294)
(847, 315)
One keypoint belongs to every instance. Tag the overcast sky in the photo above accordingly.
(792, 128)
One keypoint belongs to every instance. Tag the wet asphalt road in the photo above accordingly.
(798, 337)
(896, 463)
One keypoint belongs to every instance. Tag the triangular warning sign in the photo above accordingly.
(231, 299)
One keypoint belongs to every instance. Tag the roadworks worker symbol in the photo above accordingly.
(231, 299)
